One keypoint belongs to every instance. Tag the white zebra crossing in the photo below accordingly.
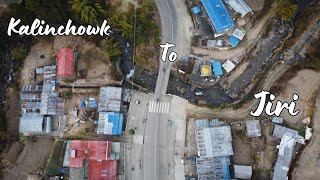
(159, 107)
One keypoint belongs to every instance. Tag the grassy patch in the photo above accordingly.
(55, 160)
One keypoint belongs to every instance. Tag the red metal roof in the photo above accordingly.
(97, 150)
(102, 170)
(65, 62)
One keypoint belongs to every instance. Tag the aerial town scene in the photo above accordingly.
(160, 89)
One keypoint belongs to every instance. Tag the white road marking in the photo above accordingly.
(159, 107)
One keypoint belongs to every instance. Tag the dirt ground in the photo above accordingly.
(307, 165)
(78, 95)
(256, 5)
(34, 60)
(12, 110)
(304, 84)
(234, 75)
(32, 159)
(91, 60)
(258, 152)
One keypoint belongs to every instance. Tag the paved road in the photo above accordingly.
(155, 142)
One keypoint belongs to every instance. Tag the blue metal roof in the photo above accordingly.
(196, 10)
(234, 41)
(218, 14)
(117, 120)
(217, 69)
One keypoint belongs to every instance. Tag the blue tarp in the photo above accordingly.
(225, 168)
(83, 104)
(196, 10)
(218, 14)
(217, 69)
(234, 41)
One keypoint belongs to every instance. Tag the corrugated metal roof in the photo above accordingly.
(242, 172)
(217, 69)
(110, 123)
(51, 104)
(110, 99)
(31, 123)
(218, 15)
(239, 6)
(214, 141)
(65, 62)
(234, 41)
(285, 153)
(216, 168)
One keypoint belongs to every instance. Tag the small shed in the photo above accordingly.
(205, 70)
(228, 66)
(217, 68)
(242, 172)
(253, 128)
(233, 41)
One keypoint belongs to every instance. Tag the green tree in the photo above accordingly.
(111, 47)
(286, 12)
(88, 10)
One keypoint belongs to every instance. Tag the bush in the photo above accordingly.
(132, 131)
(287, 11)
(19, 53)
(67, 94)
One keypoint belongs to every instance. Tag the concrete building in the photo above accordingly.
(253, 128)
